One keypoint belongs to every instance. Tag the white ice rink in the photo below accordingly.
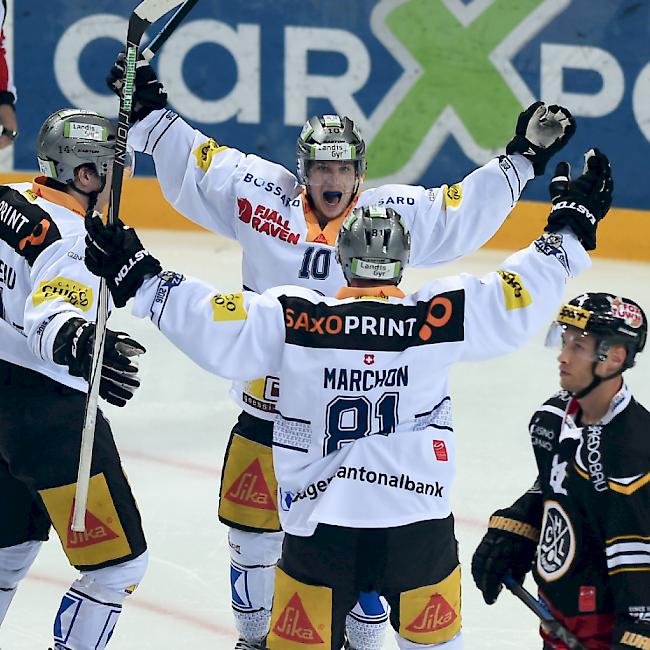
(172, 437)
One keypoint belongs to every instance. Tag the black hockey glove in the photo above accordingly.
(148, 92)
(631, 634)
(73, 347)
(508, 548)
(540, 133)
(116, 253)
(581, 204)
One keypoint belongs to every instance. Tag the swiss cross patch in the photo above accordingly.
(440, 450)
(369, 359)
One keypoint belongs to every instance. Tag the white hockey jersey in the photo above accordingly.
(43, 279)
(263, 207)
(363, 433)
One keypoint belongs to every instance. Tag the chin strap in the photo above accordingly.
(92, 196)
(596, 381)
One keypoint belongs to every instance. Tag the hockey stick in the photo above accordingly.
(150, 51)
(146, 13)
(540, 610)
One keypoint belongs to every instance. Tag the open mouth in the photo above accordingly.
(332, 198)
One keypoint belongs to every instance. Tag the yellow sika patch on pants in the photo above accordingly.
(249, 489)
(301, 616)
(431, 614)
(104, 538)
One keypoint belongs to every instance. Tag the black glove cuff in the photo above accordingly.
(537, 156)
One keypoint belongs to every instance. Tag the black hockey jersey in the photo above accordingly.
(593, 560)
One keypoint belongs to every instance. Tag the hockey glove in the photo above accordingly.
(508, 548)
(631, 634)
(581, 204)
(540, 133)
(148, 93)
(73, 347)
(116, 253)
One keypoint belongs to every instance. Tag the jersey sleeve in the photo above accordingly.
(197, 175)
(235, 335)
(451, 222)
(626, 523)
(61, 288)
(504, 309)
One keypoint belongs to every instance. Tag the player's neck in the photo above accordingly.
(595, 404)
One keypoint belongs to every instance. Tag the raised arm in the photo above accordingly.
(453, 221)
(234, 335)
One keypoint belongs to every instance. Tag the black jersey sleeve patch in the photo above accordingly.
(25, 227)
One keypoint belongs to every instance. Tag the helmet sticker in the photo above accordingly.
(574, 316)
(375, 270)
(631, 314)
(86, 131)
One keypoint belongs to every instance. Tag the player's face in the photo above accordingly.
(576, 359)
(331, 186)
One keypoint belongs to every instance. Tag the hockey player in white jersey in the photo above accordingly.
(287, 226)
(363, 441)
(48, 302)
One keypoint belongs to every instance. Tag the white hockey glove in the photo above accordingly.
(540, 133)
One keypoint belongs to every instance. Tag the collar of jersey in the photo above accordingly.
(55, 196)
(380, 293)
(328, 234)
(619, 403)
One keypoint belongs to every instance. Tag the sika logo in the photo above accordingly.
(294, 624)
(250, 489)
(369, 359)
(96, 532)
(437, 614)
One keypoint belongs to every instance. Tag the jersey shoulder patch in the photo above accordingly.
(24, 226)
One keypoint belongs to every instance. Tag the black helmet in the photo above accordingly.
(610, 319)
(330, 137)
(373, 244)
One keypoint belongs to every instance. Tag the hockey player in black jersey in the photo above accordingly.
(584, 526)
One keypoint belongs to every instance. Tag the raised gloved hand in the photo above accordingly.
(116, 253)
(582, 203)
(508, 548)
(73, 347)
(540, 133)
(148, 92)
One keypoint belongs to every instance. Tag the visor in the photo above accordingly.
(562, 335)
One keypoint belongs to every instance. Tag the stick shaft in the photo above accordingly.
(170, 27)
(147, 12)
